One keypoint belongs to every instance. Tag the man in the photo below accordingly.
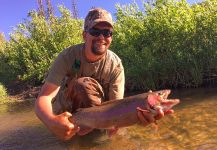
(83, 75)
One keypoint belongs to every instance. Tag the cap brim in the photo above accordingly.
(99, 21)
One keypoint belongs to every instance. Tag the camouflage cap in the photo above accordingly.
(97, 15)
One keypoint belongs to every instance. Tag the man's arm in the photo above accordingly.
(57, 124)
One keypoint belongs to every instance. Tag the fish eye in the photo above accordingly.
(160, 93)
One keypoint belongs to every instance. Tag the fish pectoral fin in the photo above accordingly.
(152, 111)
(112, 131)
(142, 110)
(84, 130)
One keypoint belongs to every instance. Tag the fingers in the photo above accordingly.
(72, 127)
(70, 133)
(67, 114)
(69, 129)
(142, 119)
(170, 111)
(145, 117)
(160, 113)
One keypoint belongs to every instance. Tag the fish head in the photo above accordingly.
(159, 100)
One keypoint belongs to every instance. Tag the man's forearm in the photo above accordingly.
(43, 108)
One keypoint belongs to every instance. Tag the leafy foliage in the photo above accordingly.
(35, 43)
(5, 70)
(167, 43)
(3, 91)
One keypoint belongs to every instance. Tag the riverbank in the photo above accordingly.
(21, 90)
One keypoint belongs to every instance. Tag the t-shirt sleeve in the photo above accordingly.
(117, 83)
(58, 69)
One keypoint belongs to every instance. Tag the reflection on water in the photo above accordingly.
(192, 127)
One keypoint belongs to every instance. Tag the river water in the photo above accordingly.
(193, 126)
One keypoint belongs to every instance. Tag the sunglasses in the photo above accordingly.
(96, 32)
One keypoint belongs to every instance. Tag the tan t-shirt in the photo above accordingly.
(108, 71)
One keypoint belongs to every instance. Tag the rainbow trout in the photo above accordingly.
(122, 113)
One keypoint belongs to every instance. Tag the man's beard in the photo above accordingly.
(98, 50)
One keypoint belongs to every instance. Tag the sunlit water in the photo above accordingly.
(193, 126)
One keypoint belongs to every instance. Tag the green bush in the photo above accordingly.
(35, 43)
(6, 72)
(167, 43)
(3, 91)
(4, 98)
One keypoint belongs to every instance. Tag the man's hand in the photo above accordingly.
(62, 127)
(146, 117)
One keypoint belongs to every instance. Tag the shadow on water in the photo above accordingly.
(192, 126)
(29, 137)
(16, 106)
(19, 128)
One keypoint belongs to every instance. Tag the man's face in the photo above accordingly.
(96, 41)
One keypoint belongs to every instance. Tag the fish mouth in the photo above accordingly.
(160, 99)
(155, 98)
(163, 97)
(163, 94)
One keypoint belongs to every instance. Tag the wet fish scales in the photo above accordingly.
(114, 113)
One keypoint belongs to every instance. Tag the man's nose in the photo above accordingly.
(101, 36)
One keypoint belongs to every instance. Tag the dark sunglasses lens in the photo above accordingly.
(97, 32)
(107, 33)
(94, 32)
